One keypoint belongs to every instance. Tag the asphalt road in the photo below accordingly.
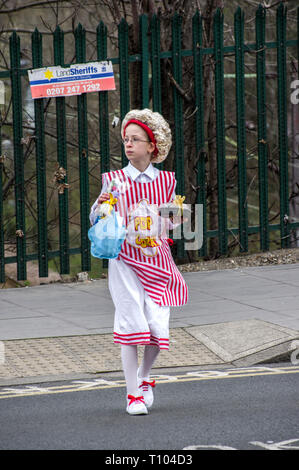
(253, 408)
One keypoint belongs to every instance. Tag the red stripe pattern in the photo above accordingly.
(158, 274)
(141, 338)
(132, 338)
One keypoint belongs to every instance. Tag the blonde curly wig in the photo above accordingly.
(158, 126)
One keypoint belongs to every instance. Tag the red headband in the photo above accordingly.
(147, 130)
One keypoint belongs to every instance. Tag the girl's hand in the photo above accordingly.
(103, 197)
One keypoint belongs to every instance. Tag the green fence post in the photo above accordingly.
(37, 62)
(156, 69)
(83, 155)
(241, 131)
(123, 75)
(282, 124)
(220, 131)
(262, 127)
(178, 114)
(103, 102)
(103, 109)
(199, 123)
(2, 253)
(143, 28)
(156, 64)
(16, 90)
(64, 250)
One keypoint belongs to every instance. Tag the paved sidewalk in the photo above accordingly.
(239, 317)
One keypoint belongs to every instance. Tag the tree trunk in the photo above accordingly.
(210, 121)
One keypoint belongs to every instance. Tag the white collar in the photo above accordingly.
(134, 173)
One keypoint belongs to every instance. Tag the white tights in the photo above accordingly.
(129, 358)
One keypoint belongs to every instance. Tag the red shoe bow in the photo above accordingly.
(132, 398)
(152, 384)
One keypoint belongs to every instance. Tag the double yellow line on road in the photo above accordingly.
(100, 383)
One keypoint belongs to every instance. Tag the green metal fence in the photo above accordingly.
(150, 56)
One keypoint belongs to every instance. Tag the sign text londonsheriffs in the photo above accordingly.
(74, 80)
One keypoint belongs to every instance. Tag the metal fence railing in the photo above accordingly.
(150, 57)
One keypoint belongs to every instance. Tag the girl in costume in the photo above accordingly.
(144, 281)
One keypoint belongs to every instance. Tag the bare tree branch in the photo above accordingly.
(135, 13)
(31, 5)
(116, 11)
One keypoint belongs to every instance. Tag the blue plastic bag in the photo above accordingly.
(107, 236)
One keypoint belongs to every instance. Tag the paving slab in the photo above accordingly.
(43, 359)
(245, 342)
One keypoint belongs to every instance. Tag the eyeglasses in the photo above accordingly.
(134, 140)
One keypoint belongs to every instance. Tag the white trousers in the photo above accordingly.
(138, 319)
